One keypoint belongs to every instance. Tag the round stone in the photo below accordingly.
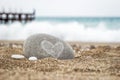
(32, 58)
(43, 45)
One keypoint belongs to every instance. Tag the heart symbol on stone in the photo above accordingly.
(53, 49)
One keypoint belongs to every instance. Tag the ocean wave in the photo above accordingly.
(70, 31)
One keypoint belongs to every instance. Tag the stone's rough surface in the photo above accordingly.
(53, 50)
(43, 45)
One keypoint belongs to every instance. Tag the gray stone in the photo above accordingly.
(43, 45)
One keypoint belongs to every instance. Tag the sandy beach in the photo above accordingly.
(93, 61)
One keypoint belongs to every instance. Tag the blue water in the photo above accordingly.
(110, 22)
(79, 19)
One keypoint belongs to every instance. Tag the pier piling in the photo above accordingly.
(13, 16)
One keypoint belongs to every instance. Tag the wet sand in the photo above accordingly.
(93, 61)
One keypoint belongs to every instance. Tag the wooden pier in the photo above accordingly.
(6, 17)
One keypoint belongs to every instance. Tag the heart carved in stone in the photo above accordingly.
(53, 49)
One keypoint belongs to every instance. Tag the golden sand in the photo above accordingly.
(93, 61)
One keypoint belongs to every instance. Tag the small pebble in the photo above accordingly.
(17, 56)
(32, 58)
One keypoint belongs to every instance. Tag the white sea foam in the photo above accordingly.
(71, 31)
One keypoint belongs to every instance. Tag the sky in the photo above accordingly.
(67, 8)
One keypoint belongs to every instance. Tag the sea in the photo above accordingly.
(84, 29)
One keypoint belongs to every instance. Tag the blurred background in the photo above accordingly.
(70, 20)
